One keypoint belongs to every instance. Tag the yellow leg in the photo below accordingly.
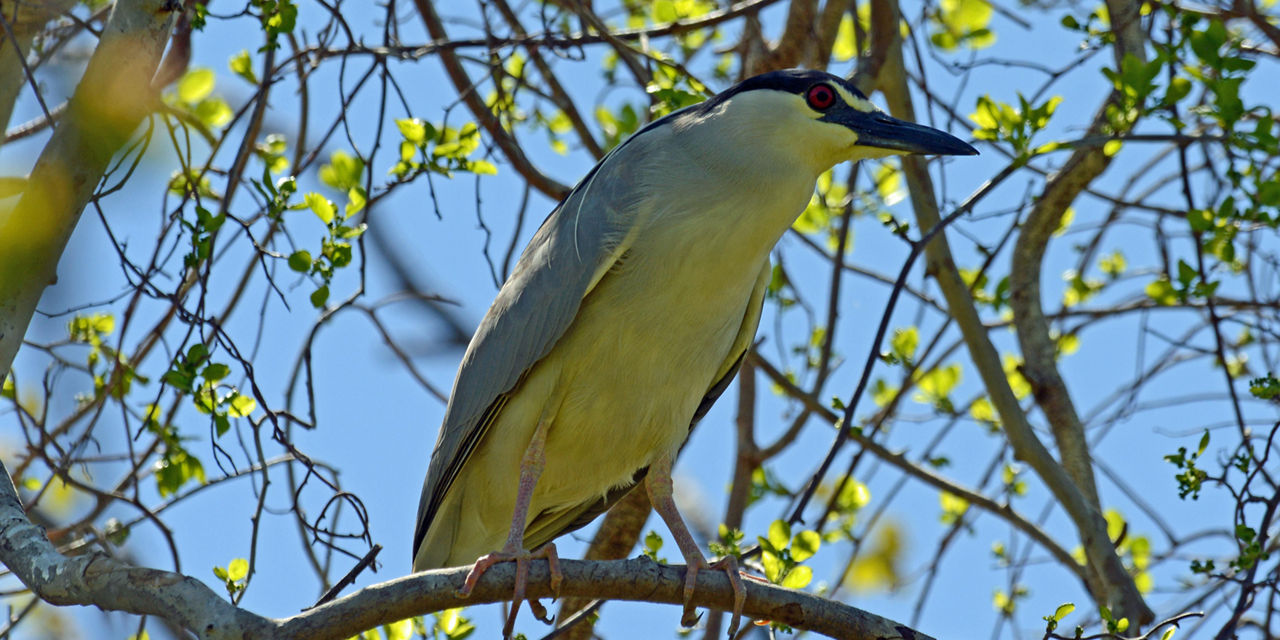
(531, 466)
(658, 485)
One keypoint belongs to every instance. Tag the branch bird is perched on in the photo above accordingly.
(629, 313)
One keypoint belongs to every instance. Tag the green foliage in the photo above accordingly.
(194, 94)
(1250, 545)
(427, 148)
(764, 482)
(1052, 620)
(1189, 478)
(203, 230)
(854, 496)
(102, 362)
(935, 386)
(278, 17)
(1011, 478)
(902, 346)
(1113, 625)
(729, 542)
(1002, 122)
(782, 553)
(194, 374)
(652, 545)
(336, 250)
(1007, 603)
(235, 575)
(1265, 388)
(450, 624)
(673, 90)
(1079, 289)
(961, 22)
(271, 152)
(953, 507)
(241, 64)
(617, 125)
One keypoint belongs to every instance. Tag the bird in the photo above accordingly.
(628, 314)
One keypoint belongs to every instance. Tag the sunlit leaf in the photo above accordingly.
(195, 85)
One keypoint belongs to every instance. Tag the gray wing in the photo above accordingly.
(575, 247)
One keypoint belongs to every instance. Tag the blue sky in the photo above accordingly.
(378, 426)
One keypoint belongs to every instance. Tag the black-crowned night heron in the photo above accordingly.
(629, 313)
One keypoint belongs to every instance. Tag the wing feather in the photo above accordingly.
(573, 249)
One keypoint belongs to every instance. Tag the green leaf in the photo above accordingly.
(953, 506)
(982, 411)
(1179, 88)
(213, 112)
(195, 85)
(483, 167)
(772, 566)
(356, 201)
(300, 261)
(1186, 273)
(215, 372)
(904, 343)
(241, 405)
(320, 296)
(845, 46)
(1062, 611)
(343, 171)
(1161, 290)
(798, 577)
(804, 545)
(1113, 264)
(882, 392)
(938, 383)
(321, 206)
(242, 65)
(238, 569)
(413, 130)
(779, 534)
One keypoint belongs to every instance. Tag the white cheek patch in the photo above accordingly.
(855, 102)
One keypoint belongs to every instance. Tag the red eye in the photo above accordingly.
(821, 97)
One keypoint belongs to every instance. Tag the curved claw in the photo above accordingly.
(729, 565)
(521, 558)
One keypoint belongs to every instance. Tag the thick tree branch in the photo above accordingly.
(113, 97)
(19, 24)
(1109, 582)
(614, 540)
(1039, 349)
(98, 580)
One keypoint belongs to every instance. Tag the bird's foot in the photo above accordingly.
(521, 558)
(729, 565)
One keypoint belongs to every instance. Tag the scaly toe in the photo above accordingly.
(483, 564)
(729, 565)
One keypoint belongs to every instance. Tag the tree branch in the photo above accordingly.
(113, 97)
(1109, 582)
(98, 580)
(1039, 349)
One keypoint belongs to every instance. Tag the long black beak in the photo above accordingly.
(881, 130)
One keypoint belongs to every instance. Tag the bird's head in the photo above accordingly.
(821, 118)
